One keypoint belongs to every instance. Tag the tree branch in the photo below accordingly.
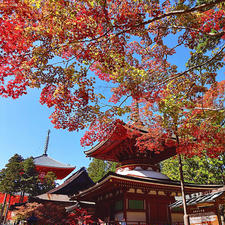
(193, 67)
(173, 13)
(210, 109)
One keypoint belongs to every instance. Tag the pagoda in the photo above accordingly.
(45, 164)
(137, 193)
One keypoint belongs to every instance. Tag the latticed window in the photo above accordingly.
(136, 204)
(119, 205)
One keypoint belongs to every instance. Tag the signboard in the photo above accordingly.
(204, 220)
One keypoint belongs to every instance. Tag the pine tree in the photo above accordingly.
(20, 175)
(10, 176)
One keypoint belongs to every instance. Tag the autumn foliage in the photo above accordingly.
(69, 49)
(51, 213)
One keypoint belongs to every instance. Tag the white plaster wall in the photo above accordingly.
(139, 172)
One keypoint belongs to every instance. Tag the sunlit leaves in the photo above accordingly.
(66, 48)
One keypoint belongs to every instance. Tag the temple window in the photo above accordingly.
(119, 205)
(135, 204)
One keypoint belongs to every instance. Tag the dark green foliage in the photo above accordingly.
(20, 175)
(202, 170)
(29, 178)
(31, 182)
(99, 168)
(10, 176)
(47, 183)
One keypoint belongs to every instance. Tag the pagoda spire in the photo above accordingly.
(136, 115)
(46, 143)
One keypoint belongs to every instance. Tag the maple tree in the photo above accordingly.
(51, 213)
(67, 48)
(53, 45)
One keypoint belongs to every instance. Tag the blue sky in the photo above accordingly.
(23, 130)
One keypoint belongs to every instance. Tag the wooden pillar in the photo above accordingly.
(169, 214)
(147, 211)
(218, 213)
(109, 210)
(125, 205)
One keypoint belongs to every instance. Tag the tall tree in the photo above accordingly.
(11, 175)
(202, 170)
(20, 175)
(99, 168)
(31, 182)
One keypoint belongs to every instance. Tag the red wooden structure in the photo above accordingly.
(137, 193)
(44, 164)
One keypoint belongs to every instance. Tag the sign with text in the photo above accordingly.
(204, 220)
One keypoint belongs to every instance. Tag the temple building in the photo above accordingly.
(202, 208)
(137, 193)
(77, 182)
(45, 164)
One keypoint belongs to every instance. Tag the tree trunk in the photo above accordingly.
(3, 207)
(186, 217)
(7, 209)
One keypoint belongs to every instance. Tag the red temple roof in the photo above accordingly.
(112, 181)
(46, 164)
(121, 147)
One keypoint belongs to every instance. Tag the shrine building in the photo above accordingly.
(137, 193)
(45, 164)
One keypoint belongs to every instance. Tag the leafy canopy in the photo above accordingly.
(20, 175)
(202, 170)
(67, 47)
(97, 169)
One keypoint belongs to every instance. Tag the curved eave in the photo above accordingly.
(111, 139)
(102, 149)
(110, 149)
(60, 172)
(55, 167)
(75, 183)
(111, 178)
